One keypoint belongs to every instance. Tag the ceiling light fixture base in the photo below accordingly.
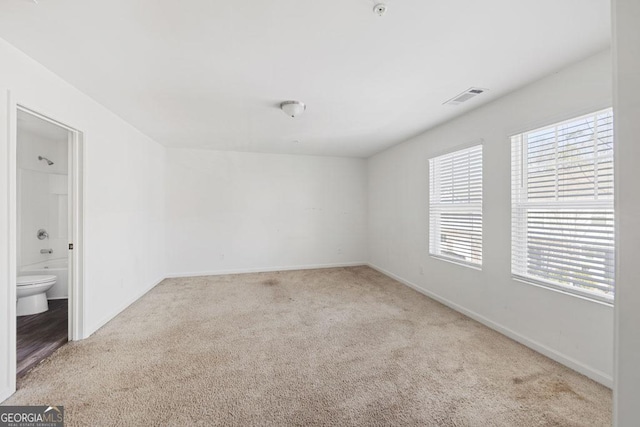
(380, 9)
(293, 108)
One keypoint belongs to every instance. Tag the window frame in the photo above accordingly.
(573, 290)
(470, 207)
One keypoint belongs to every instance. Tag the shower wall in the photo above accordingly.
(42, 204)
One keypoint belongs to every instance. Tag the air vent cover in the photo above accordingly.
(465, 96)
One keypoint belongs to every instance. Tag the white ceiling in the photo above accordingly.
(211, 73)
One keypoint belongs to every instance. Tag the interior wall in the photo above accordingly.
(626, 41)
(123, 197)
(570, 329)
(236, 212)
(42, 200)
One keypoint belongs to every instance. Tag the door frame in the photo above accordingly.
(76, 222)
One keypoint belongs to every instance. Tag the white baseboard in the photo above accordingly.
(594, 374)
(136, 297)
(5, 393)
(264, 269)
(88, 332)
(567, 361)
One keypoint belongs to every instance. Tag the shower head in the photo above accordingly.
(49, 162)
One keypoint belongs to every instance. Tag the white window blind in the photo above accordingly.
(455, 205)
(562, 205)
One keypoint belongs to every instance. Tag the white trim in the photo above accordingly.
(459, 147)
(264, 269)
(43, 117)
(6, 393)
(456, 261)
(460, 170)
(76, 218)
(594, 374)
(565, 360)
(566, 255)
(76, 303)
(615, 34)
(567, 290)
(566, 119)
(12, 260)
(558, 118)
(122, 307)
(76, 236)
(139, 295)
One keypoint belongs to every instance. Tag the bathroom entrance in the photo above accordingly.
(47, 234)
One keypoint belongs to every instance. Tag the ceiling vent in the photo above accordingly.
(465, 96)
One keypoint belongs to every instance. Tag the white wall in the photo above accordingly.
(124, 197)
(573, 330)
(626, 39)
(227, 212)
(233, 212)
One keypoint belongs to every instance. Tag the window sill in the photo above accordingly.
(560, 289)
(457, 262)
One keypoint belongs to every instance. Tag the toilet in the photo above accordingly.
(32, 293)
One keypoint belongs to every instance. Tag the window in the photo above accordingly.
(562, 227)
(455, 206)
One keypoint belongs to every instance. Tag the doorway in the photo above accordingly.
(47, 224)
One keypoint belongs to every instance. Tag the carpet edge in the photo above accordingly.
(264, 269)
(596, 375)
(122, 307)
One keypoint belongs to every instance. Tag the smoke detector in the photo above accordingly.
(293, 108)
(380, 9)
(472, 92)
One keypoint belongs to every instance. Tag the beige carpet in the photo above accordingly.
(344, 346)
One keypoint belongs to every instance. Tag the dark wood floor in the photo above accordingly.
(39, 335)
